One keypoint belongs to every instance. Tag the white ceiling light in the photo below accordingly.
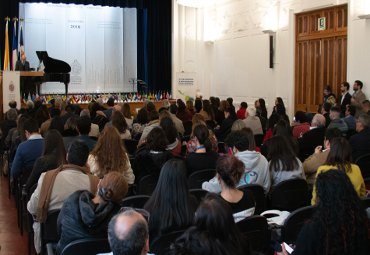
(195, 3)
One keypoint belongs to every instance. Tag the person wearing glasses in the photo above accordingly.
(87, 215)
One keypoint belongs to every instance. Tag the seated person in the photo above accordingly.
(171, 206)
(86, 215)
(336, 121)
(300, 124)
(203, 157)
(55, 186)
(339, 158)
(253, 122)
(214, 231)
(27, 151)
(350, 117)
(151, 155)
(128, 234)
(360, 141)
(255, 164)
(283, 164)
(339, 223)
(229, 171)
(312, 138)
(319, 157)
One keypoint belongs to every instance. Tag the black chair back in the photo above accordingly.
(196, 179)
(49, 229)
(137, 201)
(364, 163)
(147, 185)
(88, 246)
(294, 223)
(162, 244)
(199, 194)
(130, 145)
(255, 231)
(289, 195)
(258, 194)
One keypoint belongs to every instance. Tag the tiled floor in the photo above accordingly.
(11, 241)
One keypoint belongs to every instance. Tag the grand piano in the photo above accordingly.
(55, 70)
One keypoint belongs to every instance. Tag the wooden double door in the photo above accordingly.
(320, 56)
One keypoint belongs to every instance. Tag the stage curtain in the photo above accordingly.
(159, 44)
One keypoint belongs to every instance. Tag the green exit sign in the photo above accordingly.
(321, 23)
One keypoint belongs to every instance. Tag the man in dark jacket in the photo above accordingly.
(360, 142)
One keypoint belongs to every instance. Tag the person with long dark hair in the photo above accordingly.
(53, 155)
(174, 143)
(283, 163)
(213, 233)
(203, 157)
(152, 154)
(171, 206)
(339, 224)
(141, 121)
(119, 122)
(260, 105)
(182, 112)
(340, 158)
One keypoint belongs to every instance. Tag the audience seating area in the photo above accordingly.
(291, 194)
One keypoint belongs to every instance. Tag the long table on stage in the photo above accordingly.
(31, 74)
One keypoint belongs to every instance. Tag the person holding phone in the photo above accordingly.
(339, 224)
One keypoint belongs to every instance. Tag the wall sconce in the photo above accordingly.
(271, 34)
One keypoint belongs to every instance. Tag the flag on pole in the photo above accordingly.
(6, 49)
(21, 43)
(14, 44)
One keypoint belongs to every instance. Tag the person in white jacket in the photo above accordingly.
(255, 164)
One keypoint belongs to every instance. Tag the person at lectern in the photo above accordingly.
(22, 64)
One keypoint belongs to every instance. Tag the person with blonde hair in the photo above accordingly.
(110, 155)
(87, 215)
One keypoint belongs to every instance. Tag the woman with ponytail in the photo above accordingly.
(229, 171)
(203, 157)
(87, 215)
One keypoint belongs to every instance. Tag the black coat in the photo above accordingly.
(346, 100)
(149, 162)
(80, 218)
(360, 143)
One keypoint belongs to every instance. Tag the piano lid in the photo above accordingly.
(53, 65)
